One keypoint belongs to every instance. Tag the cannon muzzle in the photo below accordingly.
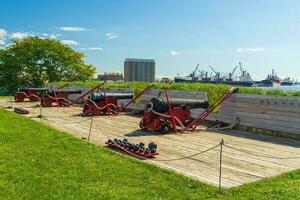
(160, 104)
(100, 96)
(234, 90)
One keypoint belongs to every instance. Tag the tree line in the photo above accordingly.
(34, 62)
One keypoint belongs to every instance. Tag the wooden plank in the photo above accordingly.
(266, 116)
(253, 109)
(235, 105)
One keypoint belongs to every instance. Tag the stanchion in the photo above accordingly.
(40, 115)
(11, 104)
(220, 172)
(91, 125)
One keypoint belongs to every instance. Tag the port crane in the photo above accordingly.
(217, 74)
(231, 73)
(194, 72)
(202, 74)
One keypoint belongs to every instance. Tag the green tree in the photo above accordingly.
(34, 62)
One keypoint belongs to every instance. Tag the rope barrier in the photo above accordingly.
(162, 160)
(260, 155)
(33, 108)
(114, 135)
(76, 122)
(190, 156)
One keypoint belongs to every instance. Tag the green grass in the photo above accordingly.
(39, 162)
(6, 97)
(214, 91)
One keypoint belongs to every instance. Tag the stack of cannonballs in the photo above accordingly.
(138, 148)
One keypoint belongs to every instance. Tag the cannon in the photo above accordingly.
(161, 105)
(100, 96)
(58, 97)
(32, 94)
(157, 114)
(107, 103)
(166, 114)
(104, 103)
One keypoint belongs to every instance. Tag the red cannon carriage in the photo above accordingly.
(32, 94)
(165, 115)
(102, 103)
(59, 98)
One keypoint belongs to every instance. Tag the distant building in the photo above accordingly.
(110, 76)
(165, 80)
(139, 70)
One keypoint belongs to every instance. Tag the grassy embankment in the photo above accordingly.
(213, 90)
(6, 97)
(39, 162)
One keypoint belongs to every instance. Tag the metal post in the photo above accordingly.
(40, 115)
(11, 104)
(220, 172)
(90, 128)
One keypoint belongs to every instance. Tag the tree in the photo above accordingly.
(34, 62)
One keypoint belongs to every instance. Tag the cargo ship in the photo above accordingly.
(241, 79)
(272, 80)
(287, 82)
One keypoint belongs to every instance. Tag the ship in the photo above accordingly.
(296, 82)
(241, 79)
(272, 80)
(287, 82)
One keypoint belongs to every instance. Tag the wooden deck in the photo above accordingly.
(238, 167)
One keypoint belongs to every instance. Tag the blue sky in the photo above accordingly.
(178, 34)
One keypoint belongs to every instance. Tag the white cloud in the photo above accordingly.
(54, 36)
(254, 49)
(72, 28)
(174, 53)
(19, 35)
(69, 42)
(3, 34)
(96, 48)
(110, 36)
(47, 35)
(91, 49)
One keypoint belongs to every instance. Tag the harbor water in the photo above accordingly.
(284, 88)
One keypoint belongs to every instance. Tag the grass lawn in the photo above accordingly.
(6, 97)
(39, 162)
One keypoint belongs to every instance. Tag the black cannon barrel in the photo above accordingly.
(33, 89)
(64, 92)
(100, 96)
(160, 104)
